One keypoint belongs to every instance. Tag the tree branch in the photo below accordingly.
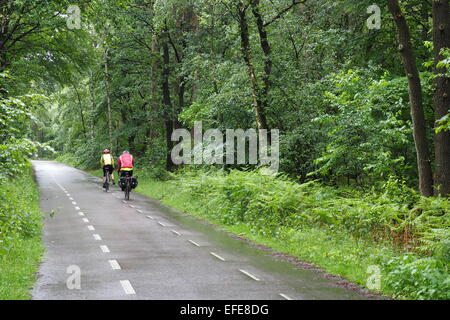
(281, 13)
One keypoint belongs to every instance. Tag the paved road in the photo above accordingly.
(140, 249)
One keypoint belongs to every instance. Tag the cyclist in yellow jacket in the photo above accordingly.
(107, 163)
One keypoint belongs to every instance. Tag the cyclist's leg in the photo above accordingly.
(112, 175)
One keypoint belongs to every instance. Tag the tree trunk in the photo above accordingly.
(108, 100)
(93, 104)
(4, 26)
(441, 96)
(261, 120)
(265, 46)
(80, 105)
(415, 97)
(154, 89)
(169, 125)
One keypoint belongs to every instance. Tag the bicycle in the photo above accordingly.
(127, 188)
(107, 179)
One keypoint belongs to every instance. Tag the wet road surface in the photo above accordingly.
(99, 246)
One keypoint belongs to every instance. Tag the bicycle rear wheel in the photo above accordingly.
(127, 188)
(107, 182)
(127, 191)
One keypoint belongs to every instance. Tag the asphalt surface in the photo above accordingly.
(99, 246)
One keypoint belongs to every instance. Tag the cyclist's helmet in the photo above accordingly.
(125, 152)
(106, 151)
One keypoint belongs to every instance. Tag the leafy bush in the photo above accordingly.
(19, 217)
(369, 129)
(425, 278)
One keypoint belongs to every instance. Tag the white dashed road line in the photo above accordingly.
(140, 211)
(161, 224)
(127, 287)
(194, 243)
(105, 249)
(250, 275)
(114, 264)
(150, 217)
(97, 237)
(285, 296)
(176, 232)
(81, 214)
(217, 256)
(91, 228)
(77, 208)
(85, 220)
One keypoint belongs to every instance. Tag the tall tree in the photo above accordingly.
(441, 96)
(108, 97)
(166, 99)
(415, 97)
(258, 104)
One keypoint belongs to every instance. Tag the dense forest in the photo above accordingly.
(359, 91)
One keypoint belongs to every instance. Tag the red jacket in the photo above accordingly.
(126, 161)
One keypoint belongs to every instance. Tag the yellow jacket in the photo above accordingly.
(106, 160)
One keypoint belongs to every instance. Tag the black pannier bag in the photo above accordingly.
(134, 182)
(122, 183)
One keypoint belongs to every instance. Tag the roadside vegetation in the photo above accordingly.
(21, 248)
(20, 215)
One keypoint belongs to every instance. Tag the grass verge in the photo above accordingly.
(21, 246)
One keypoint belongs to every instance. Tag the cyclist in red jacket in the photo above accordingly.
(125, 164)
